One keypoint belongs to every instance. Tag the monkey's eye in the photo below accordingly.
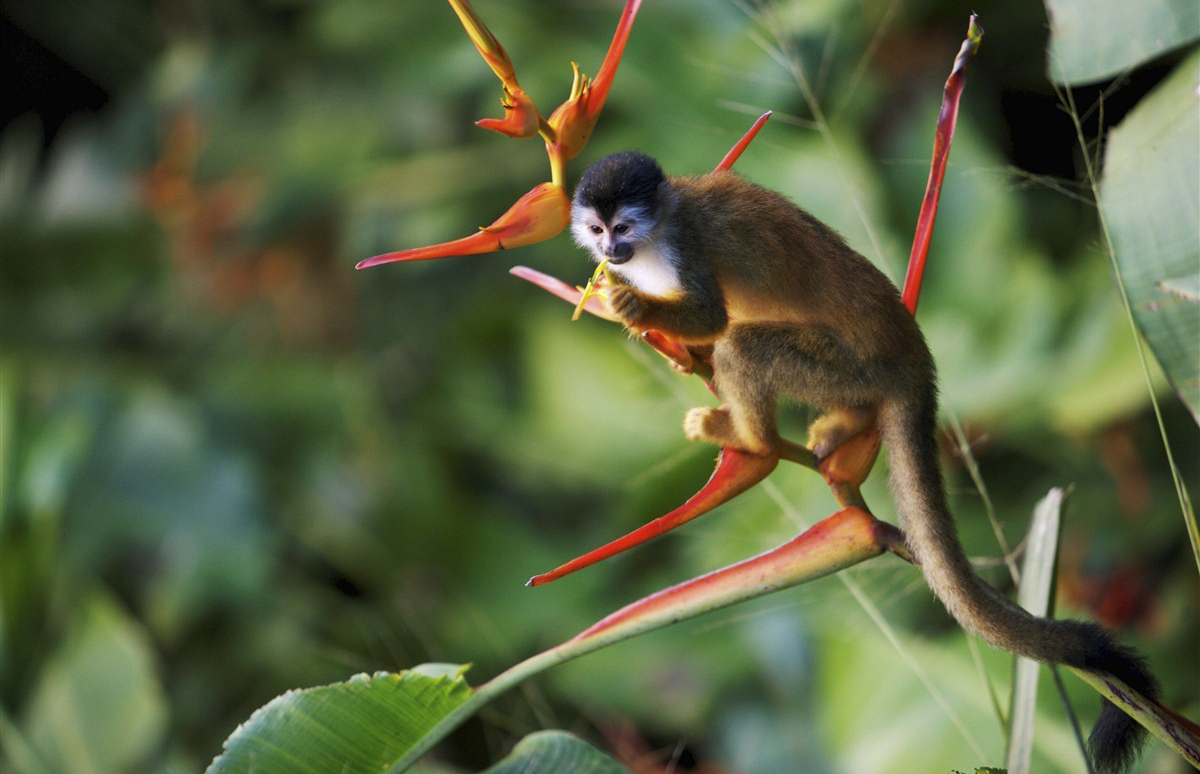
(596, 229)
(620, 228)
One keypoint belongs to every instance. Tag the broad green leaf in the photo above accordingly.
(1150, 197)
(553, 752)
(98, 706)
(1091, 40)
(1037, 588)
(360, 726)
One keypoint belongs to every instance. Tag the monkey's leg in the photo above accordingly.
(755, 363)
(746, 421)
(836, 425)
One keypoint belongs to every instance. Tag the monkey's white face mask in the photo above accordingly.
(626, 241)
(615, 240)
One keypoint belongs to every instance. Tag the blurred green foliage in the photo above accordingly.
(233, 466)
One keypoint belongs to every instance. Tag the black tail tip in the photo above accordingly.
(1115, 740)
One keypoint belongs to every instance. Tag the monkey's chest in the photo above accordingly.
(652, 272)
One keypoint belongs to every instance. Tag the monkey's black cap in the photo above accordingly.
(625, 179)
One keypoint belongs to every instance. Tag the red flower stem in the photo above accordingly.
(947, 119)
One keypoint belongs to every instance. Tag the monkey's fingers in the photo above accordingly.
(736, 472)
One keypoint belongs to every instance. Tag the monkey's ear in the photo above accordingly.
(664, 199)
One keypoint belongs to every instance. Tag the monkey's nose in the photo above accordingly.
(619, 253)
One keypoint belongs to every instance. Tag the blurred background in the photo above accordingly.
(232, 465)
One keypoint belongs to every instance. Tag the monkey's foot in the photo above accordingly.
(625, 304)
(708, 424)
(831, 429)
(715, 426)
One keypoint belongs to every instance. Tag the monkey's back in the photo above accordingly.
(776, 263)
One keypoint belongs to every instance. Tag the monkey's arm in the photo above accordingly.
(695, 316)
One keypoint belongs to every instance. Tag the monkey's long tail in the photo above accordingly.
(908, 430)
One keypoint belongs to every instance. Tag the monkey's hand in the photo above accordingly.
(627, 304)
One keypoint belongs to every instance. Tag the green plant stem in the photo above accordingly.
(1150, 715)
(968, 457)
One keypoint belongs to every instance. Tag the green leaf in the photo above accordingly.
(1037, 589)
(1150, 197)
(98, 706)
(552, 752)
(360, 726)
(1091, 40)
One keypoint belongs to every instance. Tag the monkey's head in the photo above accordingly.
(616, 205)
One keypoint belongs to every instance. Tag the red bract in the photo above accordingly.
(846, 538)
(521, 118)
(736, 151)
(572, 122)
(736, 472)
(537, 216)
(937, 170)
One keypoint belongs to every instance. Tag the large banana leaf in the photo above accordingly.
(1091, 40)
(1150, 197)
(360, 726)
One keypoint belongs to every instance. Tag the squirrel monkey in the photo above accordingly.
(786, 308)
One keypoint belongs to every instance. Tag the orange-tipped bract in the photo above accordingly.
(537, 216)
(736, 472)
(572, 122)
(521, 118)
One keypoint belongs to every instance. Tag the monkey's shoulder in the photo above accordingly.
(728, 194)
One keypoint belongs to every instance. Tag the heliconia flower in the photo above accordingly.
(572, 122)
(537, 216)
(521, 118)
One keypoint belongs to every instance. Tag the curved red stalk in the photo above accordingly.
(608, 69)
(736, 472)
(736, 151)
(947, 119)
(843, 539)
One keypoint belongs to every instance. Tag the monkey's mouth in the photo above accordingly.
(620, 253)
